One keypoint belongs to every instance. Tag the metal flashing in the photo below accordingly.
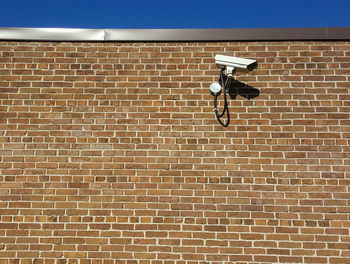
(51, 34)
(238, 34)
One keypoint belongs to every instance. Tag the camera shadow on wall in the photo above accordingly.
(242, 89)
(239, 88)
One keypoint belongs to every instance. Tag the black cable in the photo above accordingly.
(217, 113)
(225, 90)
(225, 98)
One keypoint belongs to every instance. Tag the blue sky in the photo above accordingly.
(175, 13)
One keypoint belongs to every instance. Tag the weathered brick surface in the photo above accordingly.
(111, 153)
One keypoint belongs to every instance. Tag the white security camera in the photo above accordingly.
(228, 66)
(234, 62)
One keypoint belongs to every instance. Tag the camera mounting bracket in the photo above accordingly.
(229, 71)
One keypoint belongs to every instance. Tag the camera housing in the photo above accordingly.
(235, 62)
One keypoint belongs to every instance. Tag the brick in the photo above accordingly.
(104, 154)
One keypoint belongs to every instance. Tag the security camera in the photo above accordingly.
(227, 65)
(234, 62)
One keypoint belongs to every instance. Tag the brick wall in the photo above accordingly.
(111, 153)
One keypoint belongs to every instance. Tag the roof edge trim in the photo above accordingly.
(234, 34)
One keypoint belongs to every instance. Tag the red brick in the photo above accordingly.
(105, 154)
